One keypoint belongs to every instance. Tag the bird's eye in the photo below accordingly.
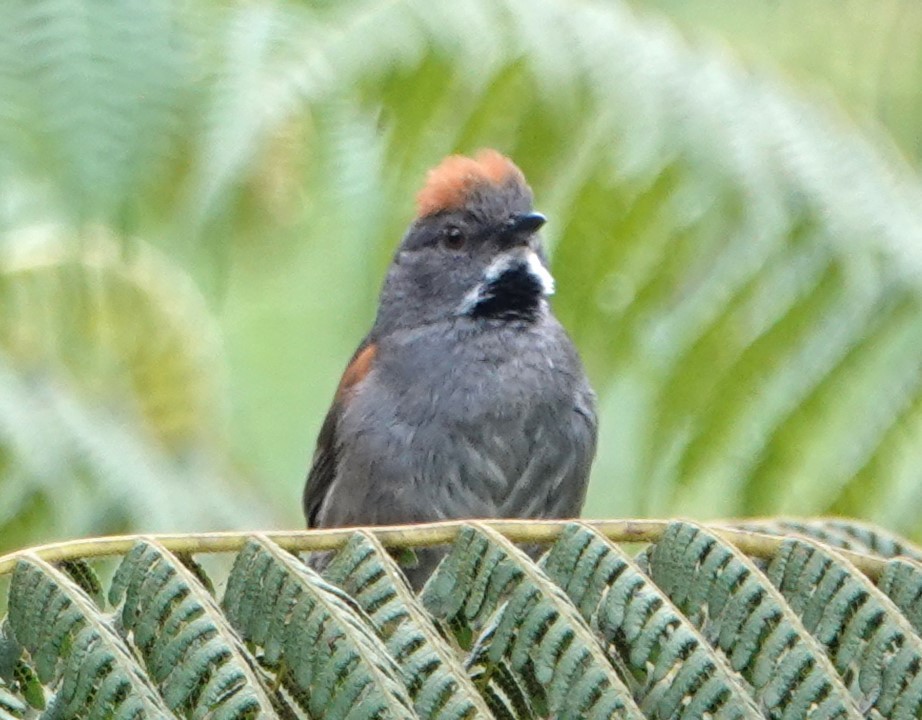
(453, 238)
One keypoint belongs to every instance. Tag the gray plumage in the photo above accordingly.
(467, 398)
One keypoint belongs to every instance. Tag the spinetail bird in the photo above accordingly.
(467, 398)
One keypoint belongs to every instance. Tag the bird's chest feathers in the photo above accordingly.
(469, 374)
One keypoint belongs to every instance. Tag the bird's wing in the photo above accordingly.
(323, 467)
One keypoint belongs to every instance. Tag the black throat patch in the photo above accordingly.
(515, 294)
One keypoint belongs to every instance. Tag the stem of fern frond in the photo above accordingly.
(408, 536)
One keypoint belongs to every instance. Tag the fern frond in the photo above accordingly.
(319, 638)
(437, 682)
(91, 79)
(110, 385)
(872, 645)
(75, 649)
(82, 573)
(19, 685)
(538, 630)
(672, 670)
(501, 688)
(901, 581)
(190, 650)
(143, 324)
(740, 611)
(12, 707)
(541, 532)
(845, 534)
(693, 628)
(794, 240)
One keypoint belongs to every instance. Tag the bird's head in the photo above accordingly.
(473, 249)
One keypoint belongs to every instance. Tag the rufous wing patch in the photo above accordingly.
(357, 370)
(450, 183)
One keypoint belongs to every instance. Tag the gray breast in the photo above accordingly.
(475, 424)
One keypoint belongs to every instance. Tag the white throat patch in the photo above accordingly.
(507, 261)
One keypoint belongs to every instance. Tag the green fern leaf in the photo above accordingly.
(901, 581)
(32, 690)
(10, 652)
(693, 628)
(848, 535)
(874, 648)
(504, 693)
(438, 684)
(191, 651)
(76, 650)
(673, 672)
(86, 578)
(12, 704)
(109, 385)
(872, 539)
(328, 648)
(11, 707)
(91, 79)
(739, 611)
(537, 629)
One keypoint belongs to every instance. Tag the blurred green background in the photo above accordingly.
(198, 200)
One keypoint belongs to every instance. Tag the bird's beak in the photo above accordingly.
(526, 223)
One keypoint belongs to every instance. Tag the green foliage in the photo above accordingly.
(11, 707)
(844, 534)
(317, 639)
(873, 648)
(737, 261)
(673, 668)
(438, 684)
(75, 649)
(82, 573)
(901, 581)
(197, 661)
(110, 391)
(868, 60)
(197, 202)
(537, 631)
(691, 627)
(739, 611)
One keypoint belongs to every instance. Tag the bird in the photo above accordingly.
(467, 398)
